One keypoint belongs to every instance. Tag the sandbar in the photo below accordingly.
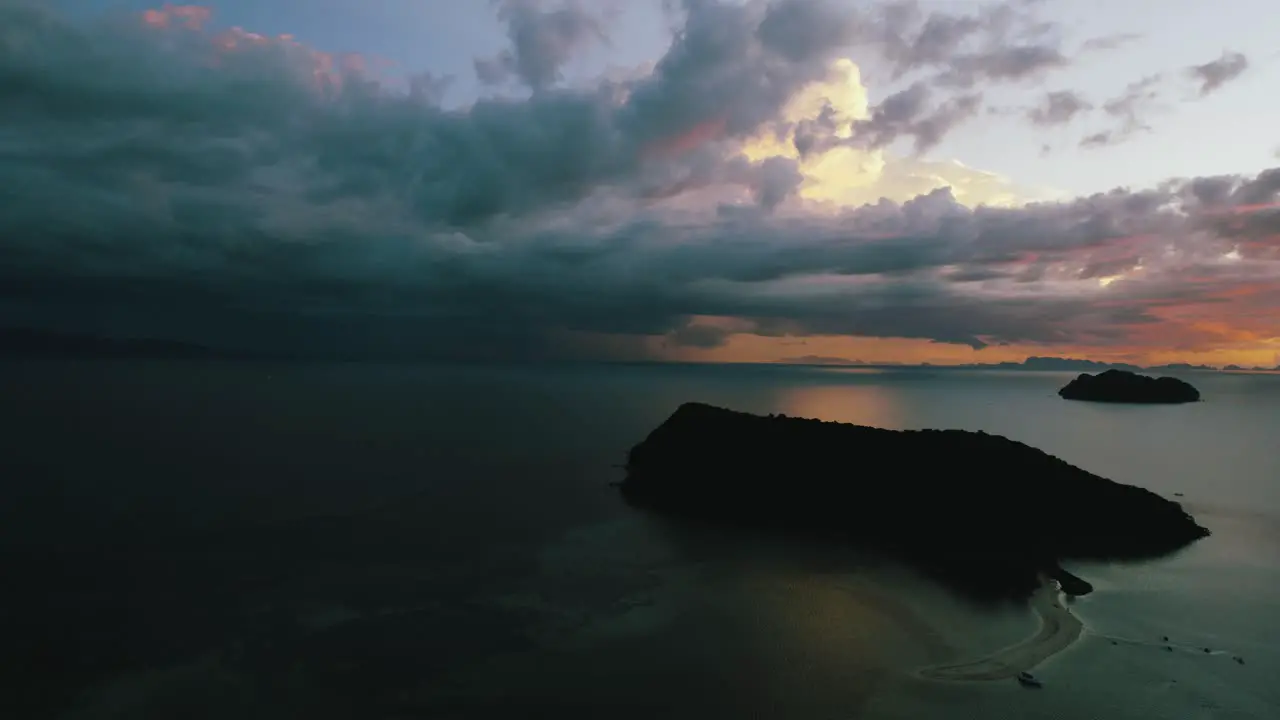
(1058, 629)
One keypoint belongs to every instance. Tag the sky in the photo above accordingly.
(696, 180)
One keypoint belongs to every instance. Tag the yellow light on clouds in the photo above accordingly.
(849, 176)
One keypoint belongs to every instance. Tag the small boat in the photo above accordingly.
(1029, 680)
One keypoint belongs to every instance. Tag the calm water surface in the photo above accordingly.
(354, 541)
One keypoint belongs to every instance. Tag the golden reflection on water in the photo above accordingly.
(872, 405)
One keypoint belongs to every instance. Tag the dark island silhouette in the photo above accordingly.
(982, 513)
(1120, 386)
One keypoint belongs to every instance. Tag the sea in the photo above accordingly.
(214, 539)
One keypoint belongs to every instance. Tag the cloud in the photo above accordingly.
(1100, 139)
(907, 113)
(1114, 41)
(827, 128)
(1214, 74)
(1058, 108)
(1006, 64)
(1130, 108)
(1137, 96)
(950, 55)
(246, 190)
(543, 39)
(698, 335)
(1142, 96)
(997, 42)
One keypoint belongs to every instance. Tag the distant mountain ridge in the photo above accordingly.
(38, 343)
(1042, 363)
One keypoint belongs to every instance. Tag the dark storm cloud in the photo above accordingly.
(923, 312)
(975, 274)
(696, 335)
(1212, 75)
(252, 190)
(152, 102)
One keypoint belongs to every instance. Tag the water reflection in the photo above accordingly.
(470, 604)
(873, 405)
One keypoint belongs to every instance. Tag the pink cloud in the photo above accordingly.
(330, 70)
(691, 139)
(191, 17)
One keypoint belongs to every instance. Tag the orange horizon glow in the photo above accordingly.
(898, 351)
(745, 347)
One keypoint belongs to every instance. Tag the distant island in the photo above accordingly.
(980, 512)
(1120, 386)
(1033, 363)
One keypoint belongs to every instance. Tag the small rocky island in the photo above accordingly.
(1122, 386)
(980, 512)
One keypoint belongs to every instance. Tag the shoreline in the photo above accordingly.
(1059, 628)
